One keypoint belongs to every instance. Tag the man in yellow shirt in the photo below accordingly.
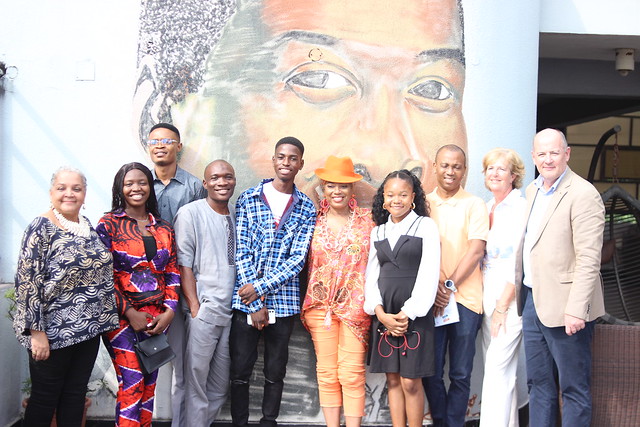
(463, 224)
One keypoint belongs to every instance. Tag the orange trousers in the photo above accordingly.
(340, 364)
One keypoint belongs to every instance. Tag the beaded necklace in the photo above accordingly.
(330, 241)
(80, 228)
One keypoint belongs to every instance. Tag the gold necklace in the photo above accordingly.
(336, 242)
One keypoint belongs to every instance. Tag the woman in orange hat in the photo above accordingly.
(332, 309)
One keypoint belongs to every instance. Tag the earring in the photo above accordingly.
(84, 206)
(352, 202)
(324, 205)
(413, 206)
(384, 206)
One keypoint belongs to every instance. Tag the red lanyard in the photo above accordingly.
(404, 346)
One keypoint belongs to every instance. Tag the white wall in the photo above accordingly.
(48, 118)
(590, 17)
(502, 74)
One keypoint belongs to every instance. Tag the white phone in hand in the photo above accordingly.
(272, 318)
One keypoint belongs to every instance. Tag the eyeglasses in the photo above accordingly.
(163, 141)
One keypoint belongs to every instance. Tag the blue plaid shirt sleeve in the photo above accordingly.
(245, 265)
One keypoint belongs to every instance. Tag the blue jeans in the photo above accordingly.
(554, 356)
(243, 346)
(449, 409)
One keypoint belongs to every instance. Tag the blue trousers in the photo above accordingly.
(553, 358)
(450, 408)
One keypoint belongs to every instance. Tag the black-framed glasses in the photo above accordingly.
(163, 141)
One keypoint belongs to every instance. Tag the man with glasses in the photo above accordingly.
(174, 188)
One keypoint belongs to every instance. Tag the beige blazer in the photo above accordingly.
(565, 258)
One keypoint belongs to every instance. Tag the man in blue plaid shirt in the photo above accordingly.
(274, 223)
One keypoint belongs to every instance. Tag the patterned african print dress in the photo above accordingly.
(146, 282)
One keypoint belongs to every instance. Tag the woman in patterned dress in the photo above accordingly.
(64, 301)
(146, 276)
(332, 309)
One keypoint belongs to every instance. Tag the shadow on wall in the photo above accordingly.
(14, 365)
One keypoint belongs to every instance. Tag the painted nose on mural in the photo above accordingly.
(385, 123)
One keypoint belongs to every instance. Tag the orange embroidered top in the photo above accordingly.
(337, 266)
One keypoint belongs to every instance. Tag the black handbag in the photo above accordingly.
(153, 352)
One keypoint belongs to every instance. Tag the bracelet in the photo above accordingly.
(501, 312)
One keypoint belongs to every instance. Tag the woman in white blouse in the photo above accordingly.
(502, 327)
(400, 288)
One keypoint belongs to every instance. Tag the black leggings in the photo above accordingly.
(59, 384)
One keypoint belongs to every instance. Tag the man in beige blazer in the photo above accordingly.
(558, 284)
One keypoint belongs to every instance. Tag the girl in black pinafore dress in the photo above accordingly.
(401, 285)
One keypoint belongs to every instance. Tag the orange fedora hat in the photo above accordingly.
(338, 169)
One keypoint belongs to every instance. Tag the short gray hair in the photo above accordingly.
(68, 169)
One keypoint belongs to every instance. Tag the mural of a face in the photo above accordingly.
(378, 81)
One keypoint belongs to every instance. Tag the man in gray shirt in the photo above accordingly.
(205, 236)
(174, 188)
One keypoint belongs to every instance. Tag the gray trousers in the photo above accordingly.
(177, 340)
(207, 365)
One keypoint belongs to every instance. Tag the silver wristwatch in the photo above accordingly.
(450, 285)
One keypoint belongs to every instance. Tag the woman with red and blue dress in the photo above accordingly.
(146, 277)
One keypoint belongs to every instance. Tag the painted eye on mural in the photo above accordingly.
(320, 86)
(431, 95)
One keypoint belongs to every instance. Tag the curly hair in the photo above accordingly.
(118, 203)
(380, 215)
